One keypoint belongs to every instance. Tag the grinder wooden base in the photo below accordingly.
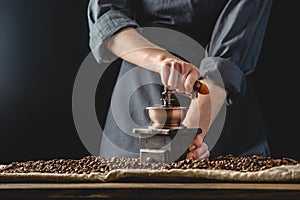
(164, 145)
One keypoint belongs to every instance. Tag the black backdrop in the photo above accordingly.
(42, 45)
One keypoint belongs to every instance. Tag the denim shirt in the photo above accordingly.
(233, 30)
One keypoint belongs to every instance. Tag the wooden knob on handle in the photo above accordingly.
(200, 88)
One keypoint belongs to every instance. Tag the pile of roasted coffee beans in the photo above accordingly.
(91, 164)
(85, 165)
(229, 162)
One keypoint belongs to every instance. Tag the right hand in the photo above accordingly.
(179, 75)
(129, 45)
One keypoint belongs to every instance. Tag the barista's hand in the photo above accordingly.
(178, 74)
(198, 149)
(129, 45)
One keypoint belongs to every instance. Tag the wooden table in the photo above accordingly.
(150, 190)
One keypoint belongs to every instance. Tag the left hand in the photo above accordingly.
(198, 149)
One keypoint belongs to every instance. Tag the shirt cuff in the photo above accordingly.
(105, 27)
(226, 74)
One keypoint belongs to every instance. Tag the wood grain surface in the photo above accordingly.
(150, 190)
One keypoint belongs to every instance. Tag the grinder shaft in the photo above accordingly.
(167, 96)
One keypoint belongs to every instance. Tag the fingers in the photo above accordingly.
(197, 142)
(174, 74)
(179, 75)
(170, 74)
(190, 80)
(198, 149)
(199, 153)
(165, 73)
(184, 71)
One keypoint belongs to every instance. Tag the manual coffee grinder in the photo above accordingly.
(167, 139)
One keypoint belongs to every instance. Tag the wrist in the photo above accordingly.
(152, 58)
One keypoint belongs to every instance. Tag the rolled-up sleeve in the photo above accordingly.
(235, 44)
(105, 18)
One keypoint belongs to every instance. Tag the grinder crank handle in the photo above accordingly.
(198, 88)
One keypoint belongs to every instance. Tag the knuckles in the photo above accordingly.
(179, 74)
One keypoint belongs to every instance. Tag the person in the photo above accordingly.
(232, 33)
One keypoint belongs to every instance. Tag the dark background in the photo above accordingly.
(42, 45)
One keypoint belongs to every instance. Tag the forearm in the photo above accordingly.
(129, 45)
(204, 109)
(202, 112)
